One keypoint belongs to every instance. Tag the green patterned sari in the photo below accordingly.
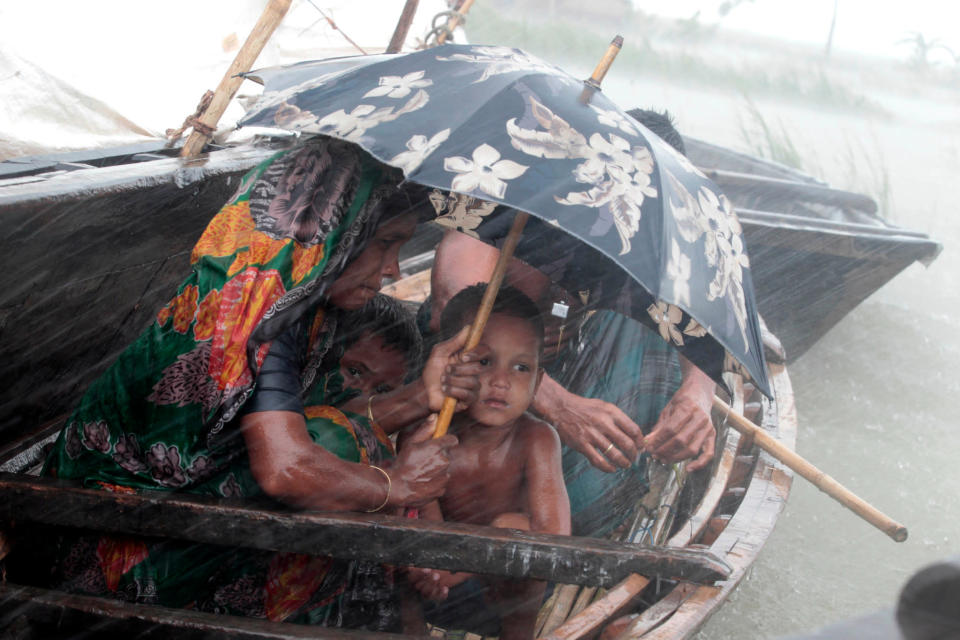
(162, 416)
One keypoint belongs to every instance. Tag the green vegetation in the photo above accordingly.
(861, 168)
(767, 141)
(559, 40)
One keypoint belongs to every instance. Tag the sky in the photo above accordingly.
(868, 26)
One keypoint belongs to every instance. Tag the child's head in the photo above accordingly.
(513, 337)
(381, 346)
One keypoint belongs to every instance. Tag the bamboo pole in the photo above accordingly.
(231, 81)
(403, 26)
(455, 21)
(820, 479)
(592, 84)
(483, 313)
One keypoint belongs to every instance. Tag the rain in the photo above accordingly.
(855, 101)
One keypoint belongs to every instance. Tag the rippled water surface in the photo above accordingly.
(877, 396)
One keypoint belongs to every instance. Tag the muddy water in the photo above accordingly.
(877, 397)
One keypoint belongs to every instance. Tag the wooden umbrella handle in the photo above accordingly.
(483, 313)
(820, 479)
(231, 81)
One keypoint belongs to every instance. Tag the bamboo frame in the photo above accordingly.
(231, 81)
(821, 480)
(483, 313)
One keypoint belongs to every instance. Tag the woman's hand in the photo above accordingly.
(603, 433)
(420, 472)
(451, 372)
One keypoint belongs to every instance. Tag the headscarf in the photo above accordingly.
(265, 262)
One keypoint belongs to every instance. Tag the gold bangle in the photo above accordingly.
(389, 486)
(370, 408)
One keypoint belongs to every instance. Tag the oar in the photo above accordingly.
(820, 479)
(483, 313)
(206, 122)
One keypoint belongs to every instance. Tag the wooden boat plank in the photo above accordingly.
(100, 617)
(600, 611)
(375, 537)
(735, 182)
(748, 530)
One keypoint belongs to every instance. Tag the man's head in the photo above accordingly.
(661, 124)
(512, 341)
(381, 346)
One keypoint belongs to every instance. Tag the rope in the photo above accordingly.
(432, 39)
(193, 120)
(333, 25)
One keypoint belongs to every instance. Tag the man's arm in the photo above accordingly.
(589, 425)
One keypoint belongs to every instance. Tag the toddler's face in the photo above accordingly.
(371, 367)
(510, 373)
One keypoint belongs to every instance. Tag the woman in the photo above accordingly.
(216, 397)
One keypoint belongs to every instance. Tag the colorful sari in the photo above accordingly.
(162, 416)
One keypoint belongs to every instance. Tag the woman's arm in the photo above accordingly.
(448, 371)
(289, 467)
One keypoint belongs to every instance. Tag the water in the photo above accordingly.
(873, 396)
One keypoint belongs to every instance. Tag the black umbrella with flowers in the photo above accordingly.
(620, 213)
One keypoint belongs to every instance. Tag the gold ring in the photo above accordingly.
(607, 450)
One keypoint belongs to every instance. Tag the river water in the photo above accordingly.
(873, 396)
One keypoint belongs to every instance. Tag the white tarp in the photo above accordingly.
(77, 75)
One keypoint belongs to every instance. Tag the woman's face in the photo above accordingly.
(362, 278)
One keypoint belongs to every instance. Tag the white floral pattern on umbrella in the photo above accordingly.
(352, 126)
(486, 171)
(667, 317)
(614, 118)
(678, 271)
(619, 172)
(399, 86)
(711, 217)
(418, 148)
(500, 60)
(460, 212)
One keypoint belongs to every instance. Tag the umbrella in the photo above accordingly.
(617, 206)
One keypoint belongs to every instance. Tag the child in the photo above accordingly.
(505, 472)
(380, 345)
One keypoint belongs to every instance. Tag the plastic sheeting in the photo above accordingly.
(76, 75)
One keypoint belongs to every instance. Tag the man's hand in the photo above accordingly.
(684, 429)
(603, 433)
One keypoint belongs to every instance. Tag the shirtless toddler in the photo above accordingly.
(505, 472)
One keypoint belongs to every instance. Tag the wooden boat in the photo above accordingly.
(721, 518)
(96, 241)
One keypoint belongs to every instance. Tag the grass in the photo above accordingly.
(862, 168)
(559, 40)
(767, 141)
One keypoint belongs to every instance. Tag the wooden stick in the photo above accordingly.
(452, 546)
(600, 72)
(231, 81)
(820, 479)
(483, 313)
(455, 21)
(403, 26)
(592, 84)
